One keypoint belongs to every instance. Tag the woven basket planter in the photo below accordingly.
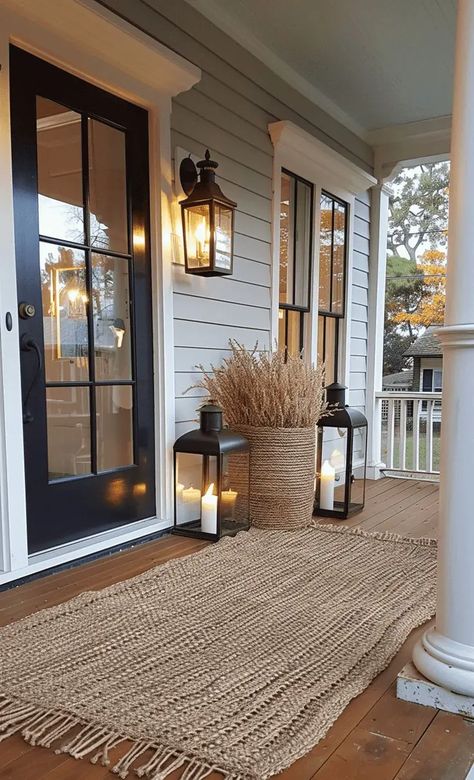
(282, 466)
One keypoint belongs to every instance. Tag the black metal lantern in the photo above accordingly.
(208, 220)
(211, 467)
(341, 458)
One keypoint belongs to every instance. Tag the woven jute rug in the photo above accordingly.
(236, 659)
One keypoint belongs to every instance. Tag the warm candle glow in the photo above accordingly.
(209, 511)
(326, 487)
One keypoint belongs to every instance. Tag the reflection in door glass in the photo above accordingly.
(111, 308)
(64, 299)
(107, 187)
(69, 440)
(60, 196)
(114, 426)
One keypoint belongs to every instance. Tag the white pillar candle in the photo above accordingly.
(326, 486)
(228, 501)
(209, 511)
(188, 501)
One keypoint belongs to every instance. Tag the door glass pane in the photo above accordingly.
(107, 187)
(59, 153)
(69, 441)
(114, 426)
(339, 255)
(286, 237)
(325, 252)
(111, 308)
(64, 299)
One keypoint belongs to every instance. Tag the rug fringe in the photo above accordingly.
(43, 727)
(384, 536)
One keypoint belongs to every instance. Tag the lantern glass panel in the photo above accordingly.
(333, 468)
(357, 495)
(234, 497)
(223, 236)
(197, 224)
(194, 476)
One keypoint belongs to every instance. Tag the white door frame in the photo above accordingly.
(90, 42)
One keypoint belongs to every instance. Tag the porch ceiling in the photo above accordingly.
(370, 63)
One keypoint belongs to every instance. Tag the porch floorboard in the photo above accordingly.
(378, 737)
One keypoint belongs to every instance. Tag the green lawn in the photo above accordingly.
(409, 464)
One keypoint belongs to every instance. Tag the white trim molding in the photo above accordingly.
(376, 313)
(96, 45)
(414, 143)
(320, 162)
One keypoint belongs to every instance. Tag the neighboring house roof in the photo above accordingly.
(399, 381)
(426, 345)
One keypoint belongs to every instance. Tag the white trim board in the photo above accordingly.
(94, 44)
(73, 551)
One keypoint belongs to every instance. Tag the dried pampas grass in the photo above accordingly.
(266, 389)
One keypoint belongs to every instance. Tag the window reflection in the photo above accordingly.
(69, 441)
(111, 307)
(64, 299)
(59, 155)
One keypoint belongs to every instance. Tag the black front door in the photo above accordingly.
(80, 175)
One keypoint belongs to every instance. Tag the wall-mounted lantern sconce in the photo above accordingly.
(208, 220)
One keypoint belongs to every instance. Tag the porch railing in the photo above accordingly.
(410, 433)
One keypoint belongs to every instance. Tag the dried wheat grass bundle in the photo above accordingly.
(266, 389)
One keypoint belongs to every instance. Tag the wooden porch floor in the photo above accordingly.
(376, 738)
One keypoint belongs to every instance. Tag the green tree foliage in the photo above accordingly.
(404, 293)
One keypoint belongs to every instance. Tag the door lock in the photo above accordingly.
(26, 310)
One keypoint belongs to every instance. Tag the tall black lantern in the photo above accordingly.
(208, 220)
(211, 467)
(341, 458)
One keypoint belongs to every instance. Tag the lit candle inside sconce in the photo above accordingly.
(202, 241)
(326, 486)
(228, 502)
(209, 511)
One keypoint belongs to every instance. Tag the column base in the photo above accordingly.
(445, 662)
(412, 686)
(375, 470)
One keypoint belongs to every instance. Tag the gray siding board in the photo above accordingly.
(188, 358)
(221, 140)
(226, 120)
(230, 290)
(196, 309)
(361, 227)
(195, 334)
(229, 170)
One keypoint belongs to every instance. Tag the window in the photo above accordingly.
(296, 209)
(432, 381)
(332, 281)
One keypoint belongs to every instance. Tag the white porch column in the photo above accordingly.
(446, 654)
(377, 272)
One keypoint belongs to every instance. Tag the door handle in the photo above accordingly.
(28, 344)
